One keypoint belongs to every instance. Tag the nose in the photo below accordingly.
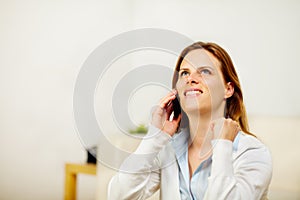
(192, 79)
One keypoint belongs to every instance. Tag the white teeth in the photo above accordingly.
(193, 92)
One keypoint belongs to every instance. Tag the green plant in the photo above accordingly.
(139, 129)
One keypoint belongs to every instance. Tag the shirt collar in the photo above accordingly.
(236, 141)
(180, 142)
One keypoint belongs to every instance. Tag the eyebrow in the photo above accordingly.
(183, 69)
(204, 66)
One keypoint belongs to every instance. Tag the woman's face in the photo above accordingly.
(200, 86)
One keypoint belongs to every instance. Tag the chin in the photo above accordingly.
(195, 108)
(192, 110)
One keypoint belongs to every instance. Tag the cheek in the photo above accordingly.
(180, 90)
(216, 88)
(179, 86)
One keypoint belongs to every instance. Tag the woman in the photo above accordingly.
(205, 151)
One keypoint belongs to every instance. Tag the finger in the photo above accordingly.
(238, 128)
(169, 110)
(219, 120)
(167, 100)
(234, 125)
(217, 123)
(212, 126)
(178, 119)
(172, 93)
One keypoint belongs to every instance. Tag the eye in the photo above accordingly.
(205, 71)
(184, 73)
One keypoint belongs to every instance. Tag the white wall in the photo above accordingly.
(261, 36)
(44, 44)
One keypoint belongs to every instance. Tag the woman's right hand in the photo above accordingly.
(161, 115)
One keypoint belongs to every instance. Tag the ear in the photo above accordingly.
(229, 90)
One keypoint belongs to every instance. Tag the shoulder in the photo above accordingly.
(252, 148)
(248, 141)
(253, 157)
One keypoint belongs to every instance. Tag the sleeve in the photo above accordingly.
(139, 175)
(246, 178)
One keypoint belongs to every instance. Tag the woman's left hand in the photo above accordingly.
(225, 129)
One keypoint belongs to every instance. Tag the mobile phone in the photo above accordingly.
(176, 107)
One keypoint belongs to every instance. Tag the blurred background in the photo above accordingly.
(44, 44)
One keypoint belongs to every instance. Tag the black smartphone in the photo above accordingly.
(176, 107)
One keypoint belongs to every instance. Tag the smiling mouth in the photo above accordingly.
(193, 92)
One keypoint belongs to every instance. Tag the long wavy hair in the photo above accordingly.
(235, 108)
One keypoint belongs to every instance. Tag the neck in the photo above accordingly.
(200, 132)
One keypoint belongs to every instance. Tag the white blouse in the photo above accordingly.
(242, 172)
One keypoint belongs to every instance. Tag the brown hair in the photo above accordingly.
(234, 108)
